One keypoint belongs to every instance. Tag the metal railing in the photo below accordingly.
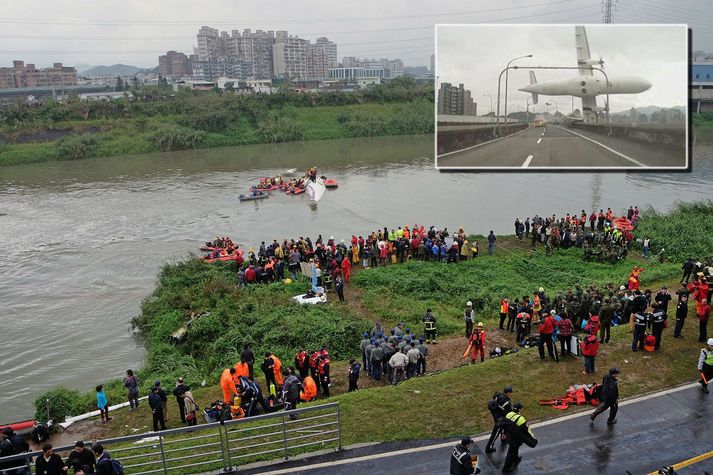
(219, 446)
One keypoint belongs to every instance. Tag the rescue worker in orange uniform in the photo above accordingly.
(477, 342)
(309, 392)
(227, 385)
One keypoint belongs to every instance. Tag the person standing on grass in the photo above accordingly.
(354, 370)
(610, 397)
(641, 319)
(190, 407)
(131, 382)
(705, 365)
(681, 310)
(566, 330)
(590, 348)
(469, 318)
(180, 389)
(657, 322)
(491, 242)
(547, 328)
(339, 285)
(156, 406)
(103, 404)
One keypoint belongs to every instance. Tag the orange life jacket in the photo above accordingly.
(310, 389)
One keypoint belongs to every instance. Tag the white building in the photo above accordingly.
(356, 73)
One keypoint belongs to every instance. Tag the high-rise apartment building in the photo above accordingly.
(175, 64)
(22, 75)
(330, 49)
(210, 44)
(396, 68)
(317, 63)
(289, 56)
(455, 100)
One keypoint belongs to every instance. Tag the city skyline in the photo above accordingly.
(136, 33)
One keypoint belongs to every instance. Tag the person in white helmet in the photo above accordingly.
(469, 317)
(705, 365)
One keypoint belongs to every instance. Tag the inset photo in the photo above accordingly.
(562, 97)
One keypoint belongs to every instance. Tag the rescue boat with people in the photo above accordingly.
(260, 196)
(227, 257)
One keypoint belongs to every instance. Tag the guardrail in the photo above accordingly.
(219, 446)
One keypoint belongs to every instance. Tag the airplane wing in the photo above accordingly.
(583, 55)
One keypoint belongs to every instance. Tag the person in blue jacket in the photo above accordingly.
(102, 403)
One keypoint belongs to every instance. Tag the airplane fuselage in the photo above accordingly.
(589, 86)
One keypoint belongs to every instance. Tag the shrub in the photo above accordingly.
(76, 147)
(59, 403)
(280, 129)
(172, 137)
(362, 125)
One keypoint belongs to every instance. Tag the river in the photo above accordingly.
(82, 241)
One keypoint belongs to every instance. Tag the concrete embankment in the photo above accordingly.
(674, 138)
(457, 137)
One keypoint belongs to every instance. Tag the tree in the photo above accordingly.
(229, 86)
(134, 81)
(119, 84)
(162, 81)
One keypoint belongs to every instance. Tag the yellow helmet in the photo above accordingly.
(480, 325)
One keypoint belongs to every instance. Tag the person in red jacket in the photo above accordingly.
(477, 343)
(547, 328)
(346, 269)
(590, 348)
(593, 325)
(250, 274)
(566, 330)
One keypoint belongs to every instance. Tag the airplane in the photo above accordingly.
(587, 86)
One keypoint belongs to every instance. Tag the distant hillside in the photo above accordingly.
(648, 110)
(113, 70)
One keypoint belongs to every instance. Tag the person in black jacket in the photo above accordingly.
(156, 406)
(610, 397)
(681, 310)
(687, 269)
(657, 322)
(49, 463)
(461, 460)
(249, 357)
(81, 458)
(178, 391)
(104, 463)
(164, 399)
(499, 406)
(354, 370)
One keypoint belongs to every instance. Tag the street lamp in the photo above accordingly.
(506, 83)
(491, 101)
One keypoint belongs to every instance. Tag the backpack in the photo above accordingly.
(116, 467)
(493, 404)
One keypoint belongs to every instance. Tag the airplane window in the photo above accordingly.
(584, 91)
(698, 76)
(583, 83)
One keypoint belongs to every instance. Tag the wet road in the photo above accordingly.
(557, 147)
(652, 431)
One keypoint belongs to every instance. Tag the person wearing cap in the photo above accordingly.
(462, 462)
(429, 326)
(423, 350)
(469, 318)
(365, 341)
(681, 309)
(641, 320)
(705, 365)
(657, 321)
(164, 399)
(610, 397)
(499, 406)
(156, 406)
(515, 425)
(477, 343)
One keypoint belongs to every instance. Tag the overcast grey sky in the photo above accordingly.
(656, 53)
(137, 31)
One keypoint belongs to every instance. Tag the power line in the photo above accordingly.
(273, 21)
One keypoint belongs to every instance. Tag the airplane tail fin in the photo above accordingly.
(533, 80)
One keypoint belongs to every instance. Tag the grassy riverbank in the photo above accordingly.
(445, 403)
(164, 121)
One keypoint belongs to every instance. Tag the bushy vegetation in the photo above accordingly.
(76, 147)
(163, 120)
(684, 232)
(404, 292)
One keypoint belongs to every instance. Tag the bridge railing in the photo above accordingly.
(219, 446)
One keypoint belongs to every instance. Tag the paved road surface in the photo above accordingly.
(554, 146)
(663, 428)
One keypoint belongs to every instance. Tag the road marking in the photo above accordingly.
(625, 157)
(691, 461)
(539, 140)
(527, 162)
(480, 438)
(484, 143)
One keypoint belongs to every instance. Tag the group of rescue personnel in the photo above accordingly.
(397, 354)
